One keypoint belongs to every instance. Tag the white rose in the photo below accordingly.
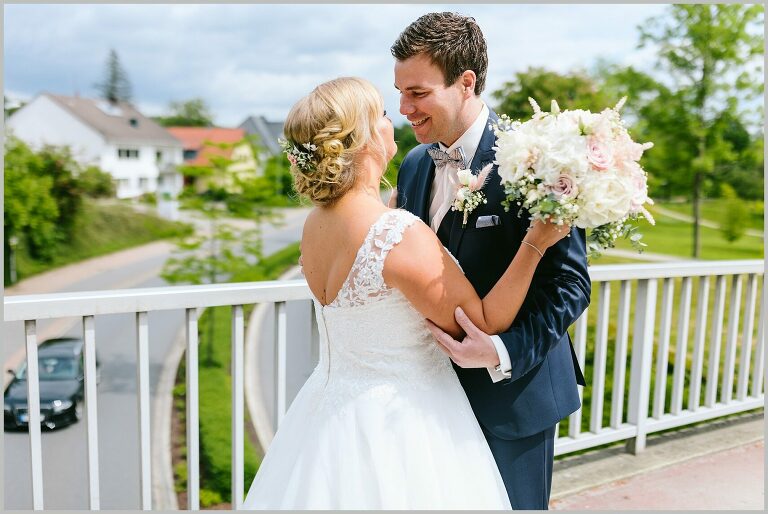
(464, 177)
(604, 199)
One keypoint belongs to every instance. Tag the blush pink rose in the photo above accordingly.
(599, 154)
(565, 186)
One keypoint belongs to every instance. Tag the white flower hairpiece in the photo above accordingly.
(301, 156)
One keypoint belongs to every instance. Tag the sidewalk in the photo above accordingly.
(716, 465)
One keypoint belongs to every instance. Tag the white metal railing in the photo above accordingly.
(639, 422)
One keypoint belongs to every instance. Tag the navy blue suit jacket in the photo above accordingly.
(542, 389)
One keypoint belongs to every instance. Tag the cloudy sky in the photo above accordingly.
(259, 59)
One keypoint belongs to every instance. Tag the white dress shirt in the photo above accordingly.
(441, 198)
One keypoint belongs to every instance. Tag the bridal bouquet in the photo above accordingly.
(575, 167)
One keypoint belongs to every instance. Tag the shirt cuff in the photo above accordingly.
(505, 363)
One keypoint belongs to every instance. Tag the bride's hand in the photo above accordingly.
(543, 235)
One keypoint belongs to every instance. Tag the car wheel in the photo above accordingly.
(78, 413)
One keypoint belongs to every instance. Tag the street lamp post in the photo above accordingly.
(13, 241)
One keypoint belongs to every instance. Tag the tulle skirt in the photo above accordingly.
(389, 446)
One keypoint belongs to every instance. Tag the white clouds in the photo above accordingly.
(259, 59)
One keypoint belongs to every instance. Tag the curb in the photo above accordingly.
(163, 489)
(261, 420)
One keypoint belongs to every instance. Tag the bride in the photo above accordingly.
(382, 422)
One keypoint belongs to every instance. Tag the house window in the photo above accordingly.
(122, 184)
(143, 183)
(127, 153)
(158, 156)
(134, 122)
(190, 154)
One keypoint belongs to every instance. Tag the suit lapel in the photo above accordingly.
(483, 156)
(426, 175)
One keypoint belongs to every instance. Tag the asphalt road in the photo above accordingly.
(64, 451)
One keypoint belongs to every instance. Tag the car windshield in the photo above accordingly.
(52, 368)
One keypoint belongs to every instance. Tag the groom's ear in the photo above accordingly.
(468, 80)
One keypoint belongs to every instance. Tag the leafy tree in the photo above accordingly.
(224, 250)
(58, 164)
(406, 141)
(115, 85)
(8, 110)
(713, 55)
(30, 212)
(189, 113)
(575, 90)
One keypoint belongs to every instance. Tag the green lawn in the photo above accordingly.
(715, 209)
(102, 228)
(675, 237)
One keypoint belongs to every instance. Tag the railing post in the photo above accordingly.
(580, 333)
(642, 353)
(281, 364)
(238, 415)
(193, 413)
(33, 414)
(91, 412)
(142, 382)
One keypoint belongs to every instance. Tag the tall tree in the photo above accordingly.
(574, 90)
(190, 113)
(713, 55)
(115, 86)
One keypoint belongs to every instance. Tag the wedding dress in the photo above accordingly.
(382, 422)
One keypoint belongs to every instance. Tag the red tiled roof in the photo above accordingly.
(194, 138)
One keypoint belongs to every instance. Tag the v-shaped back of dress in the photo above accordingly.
(370, 332)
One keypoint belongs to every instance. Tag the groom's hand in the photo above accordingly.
(476, 350)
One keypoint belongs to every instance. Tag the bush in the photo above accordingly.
(208, 498)
(734, 224)
(96, 183)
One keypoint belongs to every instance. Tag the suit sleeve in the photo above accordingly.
(558, 295)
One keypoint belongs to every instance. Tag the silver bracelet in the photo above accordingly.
(534, 247)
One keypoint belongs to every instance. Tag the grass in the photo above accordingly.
(673, 237)
(714, 210)
(215, 391)
(101, 229)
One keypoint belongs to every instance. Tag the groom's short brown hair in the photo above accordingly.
(453, 41)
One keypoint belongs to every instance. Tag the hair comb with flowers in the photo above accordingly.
(301, 156)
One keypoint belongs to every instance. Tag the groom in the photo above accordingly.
(440, 69)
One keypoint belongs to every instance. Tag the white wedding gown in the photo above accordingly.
(382, 422)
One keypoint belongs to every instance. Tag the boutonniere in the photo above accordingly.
(469, 194)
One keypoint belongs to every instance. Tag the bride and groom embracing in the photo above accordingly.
(444, 358)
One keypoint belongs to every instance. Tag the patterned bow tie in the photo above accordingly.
(441, 158)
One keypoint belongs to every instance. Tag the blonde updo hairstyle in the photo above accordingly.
(339, 117)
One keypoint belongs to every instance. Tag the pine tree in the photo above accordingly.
(116, 86)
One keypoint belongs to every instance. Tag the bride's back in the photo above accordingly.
(330, 242)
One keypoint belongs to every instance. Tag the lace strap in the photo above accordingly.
(365, 279)
(388, 231)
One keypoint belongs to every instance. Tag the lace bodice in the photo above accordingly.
(371, 337)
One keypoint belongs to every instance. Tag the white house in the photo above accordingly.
(140, 154)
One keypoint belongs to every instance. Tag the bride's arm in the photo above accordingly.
(426, 274)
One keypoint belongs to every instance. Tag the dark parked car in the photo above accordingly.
(62, 371)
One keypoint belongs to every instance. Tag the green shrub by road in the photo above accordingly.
(102, 228)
